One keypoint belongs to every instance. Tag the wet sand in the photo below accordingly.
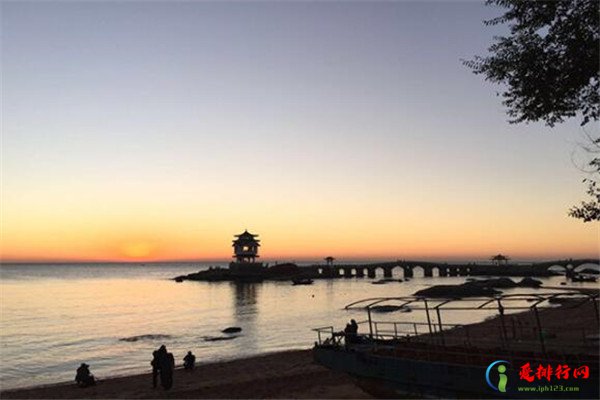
(289, 374)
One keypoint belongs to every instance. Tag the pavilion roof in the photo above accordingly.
(246, 234)
(246, 237)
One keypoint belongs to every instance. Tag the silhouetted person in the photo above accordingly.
(157, 361)
(166, 370)
(189, 361)
(350, 332)
(84, 378)
(354, 326)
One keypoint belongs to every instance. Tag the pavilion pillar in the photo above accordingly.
(408, 272)
(371, 273)
(347, 272)
(387, 273)
(360, 272)
(428, 272)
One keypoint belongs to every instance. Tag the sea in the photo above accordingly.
(112, 316)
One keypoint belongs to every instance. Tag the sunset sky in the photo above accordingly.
(157, 131)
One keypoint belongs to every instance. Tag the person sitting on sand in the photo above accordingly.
(84, 378)
(189, 361)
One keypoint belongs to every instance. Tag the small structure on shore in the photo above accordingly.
(500, 259)
(329, 261)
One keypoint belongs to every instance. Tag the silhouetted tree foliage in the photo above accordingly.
(590, 210)
(550, 65)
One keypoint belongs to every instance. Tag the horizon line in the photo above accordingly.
(297, 260)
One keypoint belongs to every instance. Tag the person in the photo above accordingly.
(166, 370)
(157, 362)
(348, 335)
(83, 377)
(155, 366)
(189, 361)
(354, 326)
(350, 332)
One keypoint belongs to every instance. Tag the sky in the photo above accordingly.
(136, 130)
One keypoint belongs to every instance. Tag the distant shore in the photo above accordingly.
(287, 374)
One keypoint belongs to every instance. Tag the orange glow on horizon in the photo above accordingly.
(126, 226)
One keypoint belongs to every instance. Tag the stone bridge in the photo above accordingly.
(430, 269)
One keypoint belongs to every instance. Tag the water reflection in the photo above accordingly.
(246, 295)
(246, 312)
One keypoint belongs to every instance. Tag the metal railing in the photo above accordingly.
(504, 333)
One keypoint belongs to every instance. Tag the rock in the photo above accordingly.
(385, 280)
(144, 337)
(218, 338)
(495, 283)
(530, 282)
(283, 270)
(232, 329)
(470, 289)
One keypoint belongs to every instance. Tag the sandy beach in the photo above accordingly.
(289, 374)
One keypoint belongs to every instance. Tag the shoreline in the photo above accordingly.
(294, 374)
(286, 374)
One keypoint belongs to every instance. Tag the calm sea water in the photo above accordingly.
(56, 316)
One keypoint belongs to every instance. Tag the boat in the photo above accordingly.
(432, 358)
(302, 281)
(583, 278)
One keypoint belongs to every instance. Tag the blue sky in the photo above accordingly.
(198, 117)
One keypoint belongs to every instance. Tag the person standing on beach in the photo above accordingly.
(157, 361)
(166, 370)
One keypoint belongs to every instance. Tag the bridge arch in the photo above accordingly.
(379, 272)
(418, 271)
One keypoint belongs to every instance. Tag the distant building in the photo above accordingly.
(245, 247)
(500, 259)
(329, 260)
(245, 253)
